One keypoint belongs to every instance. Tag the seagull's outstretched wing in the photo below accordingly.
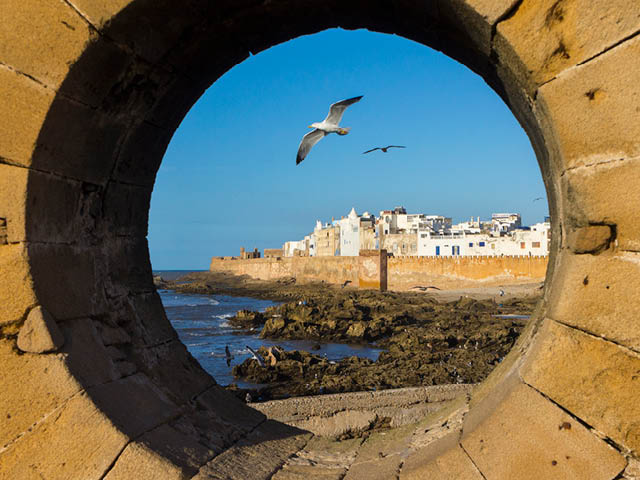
(396, 146)
(372, 150)
(308, 141)
(256, 355)
(337, 110)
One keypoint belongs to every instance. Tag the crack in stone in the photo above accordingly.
(619, 448)
(628, 350)
(472, 461)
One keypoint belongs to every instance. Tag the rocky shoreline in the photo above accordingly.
(426, 340)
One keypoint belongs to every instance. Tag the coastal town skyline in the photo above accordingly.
(229, 178)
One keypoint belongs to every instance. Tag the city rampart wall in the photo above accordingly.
(403, 272)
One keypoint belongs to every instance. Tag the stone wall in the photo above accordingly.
(403, 272)
(460, 272)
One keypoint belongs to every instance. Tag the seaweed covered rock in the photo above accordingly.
(247, 319)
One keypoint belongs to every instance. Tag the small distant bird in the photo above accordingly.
(384, 149)
(248, 398)
(424, 289)
(539, 198)
(501, 293)
(256, 356)
(227, 354)
(347, 282)
(327, 126)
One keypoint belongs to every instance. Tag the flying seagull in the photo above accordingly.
(539, 198)
(384, 149)
(256, 356)
(227, 354)
(424, 289)
(325, 127)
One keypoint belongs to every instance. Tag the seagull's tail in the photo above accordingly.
(343, 131)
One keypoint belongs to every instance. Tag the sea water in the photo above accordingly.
(202, 324)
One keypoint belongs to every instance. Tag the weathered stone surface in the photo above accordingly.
(24, 106)
(527, 436)
(443, 460)
(61, 223)
(16, 287)
(377, 469)
(44, 379)
(161, 453)
(258, 455)
(606, 193)
(593, 379)
(42, 39)
(184, 380)
(590, 239)
(127, 206)
(598, 294)
(348, 421)
(76, 440)
(587, 112)
(592, 108)
(86, 356)
(477, 18)
(65, 280)
(544, 37)
(40, 333)
(133, 404)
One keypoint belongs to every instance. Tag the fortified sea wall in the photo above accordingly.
(403, 272)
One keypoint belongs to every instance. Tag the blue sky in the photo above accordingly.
(229, 178)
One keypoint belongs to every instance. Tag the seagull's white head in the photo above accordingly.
(314, 125)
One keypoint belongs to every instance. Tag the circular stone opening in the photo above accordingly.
(93, 95)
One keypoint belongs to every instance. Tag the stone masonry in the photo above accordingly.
(91, 93)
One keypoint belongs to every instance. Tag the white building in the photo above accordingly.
(505, 222)
(520, 242)
(350, 235)
(289, 248)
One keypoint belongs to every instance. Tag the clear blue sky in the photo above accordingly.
(229, 178)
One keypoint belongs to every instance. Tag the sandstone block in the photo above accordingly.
(42, 39)
(258, 455)
(65, 280)
(476, 18)
(229, 409)
(173, 367)
(133, 404)
(141, 153)
(598, 294)
(85, 148)
(31, 218)
(379, 469)
(32, 387)
(129, 267)
(590, 239)
(86, 356)
(593, 379)
(22, 110)
(16, 288)
(127, 207)
(593, 108)
(161, 453)
(607, 193)
(443, 460)
(152, 326)
(75, 441)
(40, 333)
(544, 37)
(528, 437)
